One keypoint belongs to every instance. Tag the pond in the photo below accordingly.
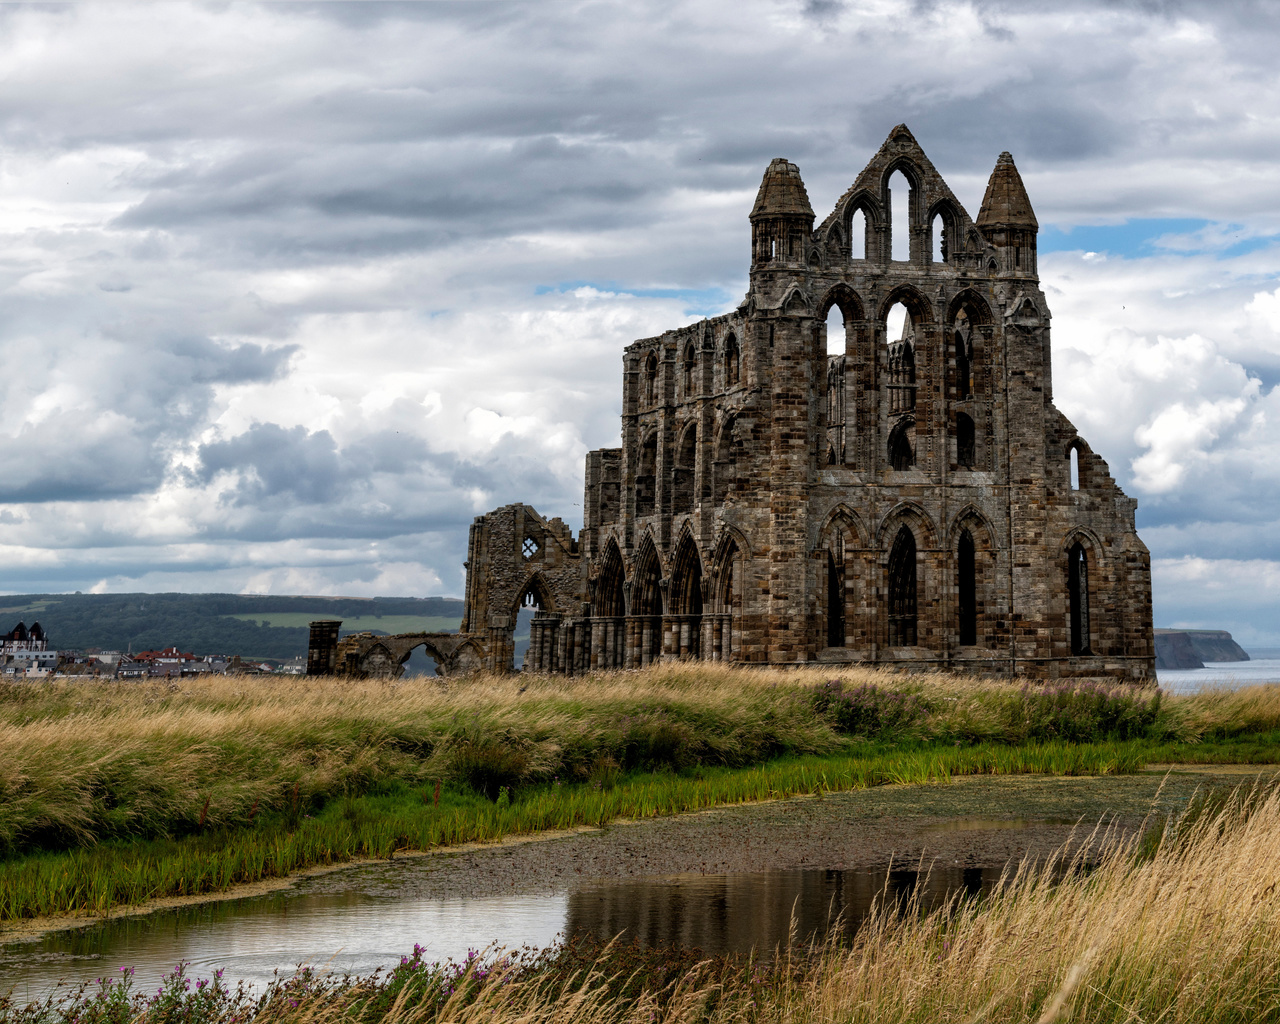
(356, 932)
(721, 880)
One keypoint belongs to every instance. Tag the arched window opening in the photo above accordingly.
(646, 476)
(609, 597)
(651, 379)
(731, 361)
(533, 612)
(835, 594)
(938, 239)
(901, 453)
(835, 332)
(686, 597)
(900, 216)
(689, 364)
(421, 664)
(726, 461)
(831, 456)
(900, 331)
(1078, 596)
(683, 473)
(646, 589)
(686, 601)
(835, 402)
(773, 249)
(963, 334)
(967, 586)
(966, 441)
(858, 236)
(902, 590)
(1075, 469)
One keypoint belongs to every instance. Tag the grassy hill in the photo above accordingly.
(249, 625)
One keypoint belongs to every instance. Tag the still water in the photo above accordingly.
(355, 932)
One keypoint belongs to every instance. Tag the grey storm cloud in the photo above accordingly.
(296, 290)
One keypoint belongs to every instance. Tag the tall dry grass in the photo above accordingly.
(1186, 932)
(85, 761)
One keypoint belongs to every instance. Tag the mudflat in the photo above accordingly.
(974, 821)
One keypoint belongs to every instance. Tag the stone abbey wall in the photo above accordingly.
(909, 501)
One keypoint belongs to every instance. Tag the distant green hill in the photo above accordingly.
(251, 626)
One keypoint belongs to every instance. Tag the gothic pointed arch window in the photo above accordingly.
(609, 595)
(901, 197)
(858, 235)
(690, 362)
(732, 360)
(902, 455)
(651, 379)
(901, 359)
(725, 467)
(682, 476)
(1078, 597)
(647, 476)
(902, 590)
(963, 338)
(835, 592)
(966, 441)
(967, 590)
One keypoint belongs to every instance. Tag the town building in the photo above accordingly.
(25, 652)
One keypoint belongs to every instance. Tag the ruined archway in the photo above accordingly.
(684, 636)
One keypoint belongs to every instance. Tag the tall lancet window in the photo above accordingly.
(967, 586)
(902, 590)
(835, 593)
(1078, 596)
(964, 357)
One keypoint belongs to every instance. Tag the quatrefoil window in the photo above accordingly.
(529, 547)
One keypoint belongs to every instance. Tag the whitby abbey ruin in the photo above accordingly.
(911, 499)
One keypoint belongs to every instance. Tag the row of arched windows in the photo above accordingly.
(730, 365)
(902, 595)
(683, 469)
(901, 209)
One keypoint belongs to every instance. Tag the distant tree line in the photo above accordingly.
(200, 623)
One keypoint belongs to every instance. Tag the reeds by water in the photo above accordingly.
(117, 793)
(1186, 932)
(96, 880)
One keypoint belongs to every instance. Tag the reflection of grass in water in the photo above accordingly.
(1190, 932)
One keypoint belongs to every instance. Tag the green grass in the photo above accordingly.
(22, 611)
(385, 623)
(401, 818)
(116, 793)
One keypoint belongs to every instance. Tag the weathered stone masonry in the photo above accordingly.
(908, 502)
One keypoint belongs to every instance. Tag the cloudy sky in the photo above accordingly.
(290, 292)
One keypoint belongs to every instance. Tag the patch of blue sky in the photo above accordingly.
(1147, 236)
(698, 301)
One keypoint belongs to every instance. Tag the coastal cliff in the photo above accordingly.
(1191, 648)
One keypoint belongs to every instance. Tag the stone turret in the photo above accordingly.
(1007, 220)
(782, 218)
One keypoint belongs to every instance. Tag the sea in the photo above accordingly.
(1262, 667)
